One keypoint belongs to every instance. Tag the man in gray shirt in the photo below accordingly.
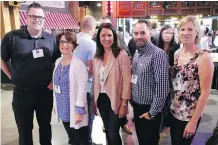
(85, 51)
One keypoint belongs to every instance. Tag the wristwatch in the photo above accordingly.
(151, 116)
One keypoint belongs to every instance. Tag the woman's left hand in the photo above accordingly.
(79, 118)
(122, 111)
(189, 130)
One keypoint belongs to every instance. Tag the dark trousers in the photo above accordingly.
(123, 121)
(177, 128)
(110, 120)
(215, 131)
(213, 140)
(165, 121)
(76, 136)
(147, 130)
(91, 117)
(24, 103)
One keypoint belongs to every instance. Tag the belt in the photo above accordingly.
(133, 103)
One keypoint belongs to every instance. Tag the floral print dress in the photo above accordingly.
(185, 99)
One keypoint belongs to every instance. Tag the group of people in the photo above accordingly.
(164, 80)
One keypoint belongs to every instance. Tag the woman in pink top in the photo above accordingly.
(111, 79)
(191, 78)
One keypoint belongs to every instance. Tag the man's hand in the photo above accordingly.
(79, 118)
(50, 86)
(146, 116)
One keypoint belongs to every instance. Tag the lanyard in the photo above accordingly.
(36, 40)
(136, 62)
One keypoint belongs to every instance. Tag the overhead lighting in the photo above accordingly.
(99, 4)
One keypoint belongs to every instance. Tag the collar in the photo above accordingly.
(82, 34)
(145, 49)
(27, 34)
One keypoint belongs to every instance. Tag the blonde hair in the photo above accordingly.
(196, 23)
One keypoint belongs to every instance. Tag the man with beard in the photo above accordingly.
(32, 52)
(150, 85)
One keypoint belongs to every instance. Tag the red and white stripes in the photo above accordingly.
(54, 21)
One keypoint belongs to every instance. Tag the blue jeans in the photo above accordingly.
(91, 117)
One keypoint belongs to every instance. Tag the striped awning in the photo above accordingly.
(54, 21)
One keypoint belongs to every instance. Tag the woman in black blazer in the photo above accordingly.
(167, 43)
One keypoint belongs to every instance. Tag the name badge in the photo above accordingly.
(57, 89)
(134, 79)
(38, 53)
(177, 86)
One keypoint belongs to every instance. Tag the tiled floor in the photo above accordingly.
(9, 135)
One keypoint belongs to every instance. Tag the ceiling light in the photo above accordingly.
(99, 4)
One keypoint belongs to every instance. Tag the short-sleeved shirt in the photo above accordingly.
(27, 71)
(85, 52)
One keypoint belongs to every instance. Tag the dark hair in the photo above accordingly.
(173, 46)
(140, 21)
(34, 5)
(160, 43)
(154, 25)
(70, 36)
(100, 49)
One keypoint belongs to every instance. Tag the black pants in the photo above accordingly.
(147, 130)
(24, 103)
(213, 140)
(91, 117)
(165, 121)
(177, 128)
(76, 136)
(123, 121)
(110, 120)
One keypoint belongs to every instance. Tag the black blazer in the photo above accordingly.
(171, 52)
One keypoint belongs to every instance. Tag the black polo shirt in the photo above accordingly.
(26, 71)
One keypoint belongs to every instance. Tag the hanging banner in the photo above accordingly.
(138, 9)
(124, 9)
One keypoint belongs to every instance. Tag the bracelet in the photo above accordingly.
(125, 105)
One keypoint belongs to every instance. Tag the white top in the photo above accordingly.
(204, 43)
(102, 79)
(215, 42)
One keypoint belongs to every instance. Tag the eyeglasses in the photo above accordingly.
(34, 17)
(65, 42)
